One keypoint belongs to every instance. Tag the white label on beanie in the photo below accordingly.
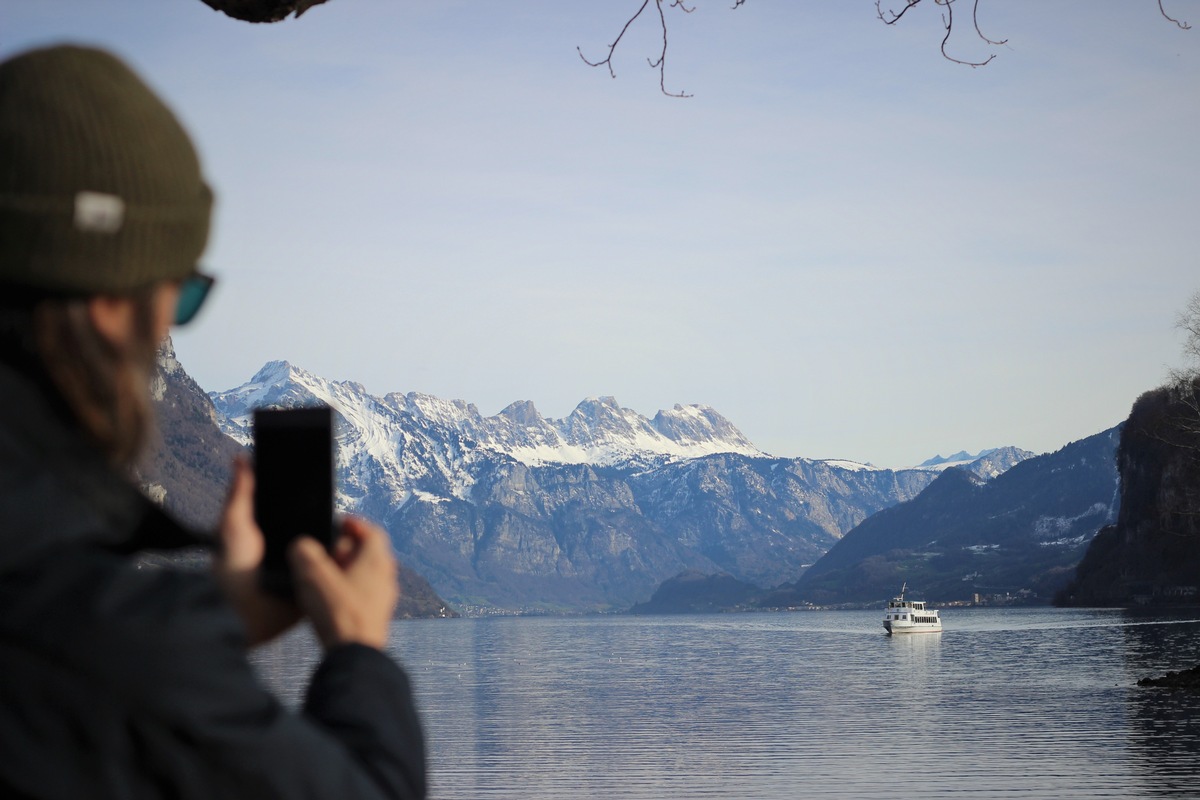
(97, 212)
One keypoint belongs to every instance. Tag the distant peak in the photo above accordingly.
(607, 401)
(960, 456)
(985, 464)
(596, 406)
(166, 356)
(690, 409)
(522, 411)
(272, 371)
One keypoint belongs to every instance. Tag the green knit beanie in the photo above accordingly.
(100, 187)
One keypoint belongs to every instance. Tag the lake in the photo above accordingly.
(1004, 703)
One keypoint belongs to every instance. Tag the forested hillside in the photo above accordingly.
(1016, 536)
(1152, 553)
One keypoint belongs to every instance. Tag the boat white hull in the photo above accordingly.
(921, 627)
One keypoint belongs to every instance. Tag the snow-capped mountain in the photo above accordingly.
(587, 512)
(598, 432)
(941, 462)
(986, 464)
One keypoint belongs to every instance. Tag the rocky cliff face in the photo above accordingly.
(1152, 552)
(189, 461)
(588, 512)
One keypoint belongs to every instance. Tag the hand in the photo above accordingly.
(241, 552)
(350, 595)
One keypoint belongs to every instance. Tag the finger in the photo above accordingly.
(357, 536)
(312, 566)
(356, 528)
(369, 539)
(321, 589)
(350, 606)
(375, 551)
(346, 548)
(239, 500)
(240, 539)
(366, 533)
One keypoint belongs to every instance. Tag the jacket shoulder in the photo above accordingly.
(137, 631)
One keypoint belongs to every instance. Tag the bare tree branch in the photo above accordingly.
(1169, 18)
(1184, 383)
(659, 63)
(975, 18)
(948, 21)
(1188, 321)
(891, 17)
(888, 16)
(612, 47)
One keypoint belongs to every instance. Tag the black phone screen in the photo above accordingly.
(294, 483)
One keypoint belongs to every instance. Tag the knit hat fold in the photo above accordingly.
(100, 186)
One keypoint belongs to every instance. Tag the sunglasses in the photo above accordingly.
(192, 293)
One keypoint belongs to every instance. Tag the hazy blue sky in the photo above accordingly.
(849, 246)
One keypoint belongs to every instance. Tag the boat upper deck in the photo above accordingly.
(915, 605)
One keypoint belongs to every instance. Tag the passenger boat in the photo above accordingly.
(910, 616)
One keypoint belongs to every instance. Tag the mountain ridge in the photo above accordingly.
(590, 512)
(1024, 530)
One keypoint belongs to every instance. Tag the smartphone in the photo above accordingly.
(293, 484)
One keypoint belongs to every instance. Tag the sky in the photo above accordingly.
(846, 244)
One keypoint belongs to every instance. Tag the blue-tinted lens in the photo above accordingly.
(192, 292)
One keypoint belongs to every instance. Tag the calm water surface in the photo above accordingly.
(1034, 703)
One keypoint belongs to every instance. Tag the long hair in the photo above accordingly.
(104, 387)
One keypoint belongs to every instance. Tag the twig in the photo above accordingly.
(891, 17)
(612, 47)
(895, 17)
(661, 62)
(1182, 25)
(948, 21)
(975, 18)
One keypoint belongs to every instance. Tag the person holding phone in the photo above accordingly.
(134, 683)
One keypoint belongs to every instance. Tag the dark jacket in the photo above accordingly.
(119, 682)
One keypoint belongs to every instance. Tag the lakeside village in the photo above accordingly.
(1022, 597)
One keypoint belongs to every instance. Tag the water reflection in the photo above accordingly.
(555, 707)
(1164, 723)
(1003, 703)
